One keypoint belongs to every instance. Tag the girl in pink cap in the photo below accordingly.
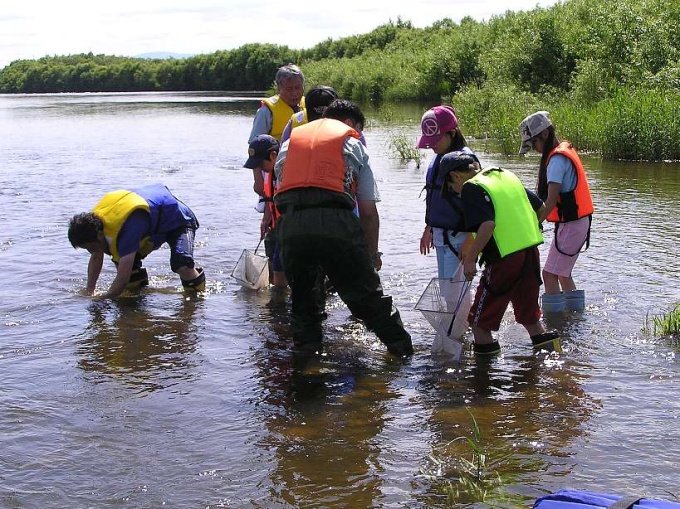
(444, 223)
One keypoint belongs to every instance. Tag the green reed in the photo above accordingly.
(642, 125)
(472, 478)
(665, 324)
(405, 149)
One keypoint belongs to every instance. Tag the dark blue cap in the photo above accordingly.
(259, 150)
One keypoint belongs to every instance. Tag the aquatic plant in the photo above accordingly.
(405, 150)
(664, 324)
(471, 479)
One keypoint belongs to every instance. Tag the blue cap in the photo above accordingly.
(259, 150)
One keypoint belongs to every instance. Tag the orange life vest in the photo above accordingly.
(269, 196)
(315, 157)
(577, 203)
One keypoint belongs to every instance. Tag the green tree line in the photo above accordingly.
(607, 71)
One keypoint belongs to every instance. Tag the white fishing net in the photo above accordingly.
(445, 304)
(251, 270)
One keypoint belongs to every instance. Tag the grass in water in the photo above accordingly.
(405, 149)
(664, 325)
(470, 479)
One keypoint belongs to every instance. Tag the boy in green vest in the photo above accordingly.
(504, 215)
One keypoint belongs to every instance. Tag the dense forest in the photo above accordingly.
(607, 71)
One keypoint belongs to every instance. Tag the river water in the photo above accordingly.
(166, 400)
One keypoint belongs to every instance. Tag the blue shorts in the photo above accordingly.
(271, 248)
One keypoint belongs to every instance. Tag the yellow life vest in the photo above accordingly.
(299, 118)
(281, 114)
(114, 209)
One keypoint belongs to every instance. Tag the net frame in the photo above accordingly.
(442, 303)
(251, 270)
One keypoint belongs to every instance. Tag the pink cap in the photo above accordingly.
(436, 122)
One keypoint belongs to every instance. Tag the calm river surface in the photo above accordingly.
(162, 400)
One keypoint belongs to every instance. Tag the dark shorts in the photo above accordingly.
(514, 279)
(181, 242)
(273, 252)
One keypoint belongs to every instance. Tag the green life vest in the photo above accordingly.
(516, 222)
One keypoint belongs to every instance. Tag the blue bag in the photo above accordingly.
(576, 499)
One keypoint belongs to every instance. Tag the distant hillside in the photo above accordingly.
(162, 55)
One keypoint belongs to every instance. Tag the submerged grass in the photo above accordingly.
(471, 479)
(405, 150)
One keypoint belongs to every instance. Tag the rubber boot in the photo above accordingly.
(575, 300)
(307, 334)
(197, 284)
(487, 349)
(553, 303)
(138, 279)
(549, 341)
(389, 328)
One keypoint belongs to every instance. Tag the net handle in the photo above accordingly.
(463, 291)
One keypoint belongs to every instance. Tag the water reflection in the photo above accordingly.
(327, 435)
(144, 345)
(349, 430)
(323, 413)
(529, 410)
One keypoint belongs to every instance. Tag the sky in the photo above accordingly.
(30, 29)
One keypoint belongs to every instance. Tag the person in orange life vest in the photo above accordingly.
(263, 151)
(504, 215)
(444, 222)
(317, 100)
(130, 224)
(320, 170)
(275, 111)
(563, 186)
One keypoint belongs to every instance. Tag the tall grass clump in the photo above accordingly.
(665, 324)
(576, 125)
(495, 112)
(405, 149)
(640, 125)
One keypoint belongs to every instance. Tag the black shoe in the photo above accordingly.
(197, 284)
(138, 279)
(401, 348)
(546, 340)
(487, 348)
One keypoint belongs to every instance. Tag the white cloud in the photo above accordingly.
(31, 29)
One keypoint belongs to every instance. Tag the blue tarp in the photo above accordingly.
(576, 499)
